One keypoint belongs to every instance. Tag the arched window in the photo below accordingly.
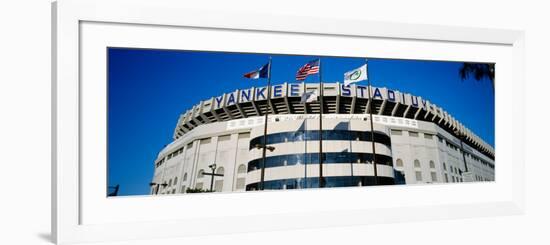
(185, 177)
(170, 183)
(432, 164)
(416, 163)
(200, 174)
(399, 163)
(176, 180)
(241, 169)
(220, 170)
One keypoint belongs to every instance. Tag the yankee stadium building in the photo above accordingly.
(218, 143)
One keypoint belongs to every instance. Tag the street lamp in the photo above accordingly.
(263, 147)
(213, 167)
(259, 146)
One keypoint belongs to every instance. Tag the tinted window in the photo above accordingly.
(332, 157)
(327, 135)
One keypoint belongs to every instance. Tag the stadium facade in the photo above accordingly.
(415, 142)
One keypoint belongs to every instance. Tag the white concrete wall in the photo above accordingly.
(227, 145)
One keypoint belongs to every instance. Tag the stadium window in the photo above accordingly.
(224, 137)
(399, 163)
(241, 169)
(185, 177)
(205, 141)
(413, 134)
(428, 136)
(244, 135)
(418, 176)
(170, 183)
(240, 183)
(432, 164)
(416, 163)
(218, 185)
(176, 180)
(434, 176)
(396, 132)
(220, 170)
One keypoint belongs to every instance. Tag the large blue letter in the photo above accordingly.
(391, 95)
(362, 89)
(294, 89)
(219, 101)
(231, 99)
(377, 94)
(346, 91)
(260, 92)
(245, 94)
(277, 91)
(414, 101)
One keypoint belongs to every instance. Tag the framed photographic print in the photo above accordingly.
(176, 122)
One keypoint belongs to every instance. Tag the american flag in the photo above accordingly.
(311, 67)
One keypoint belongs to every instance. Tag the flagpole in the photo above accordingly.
(371, 127)
(321, 178)
(264, 147)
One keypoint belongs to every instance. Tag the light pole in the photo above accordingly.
(213, 167)
(263, 147)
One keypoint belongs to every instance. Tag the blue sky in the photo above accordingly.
(149, 89)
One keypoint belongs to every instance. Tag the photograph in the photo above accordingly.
(192, 121)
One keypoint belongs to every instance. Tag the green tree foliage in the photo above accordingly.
(479, 71)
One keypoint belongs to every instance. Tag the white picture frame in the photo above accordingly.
(70, 198)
